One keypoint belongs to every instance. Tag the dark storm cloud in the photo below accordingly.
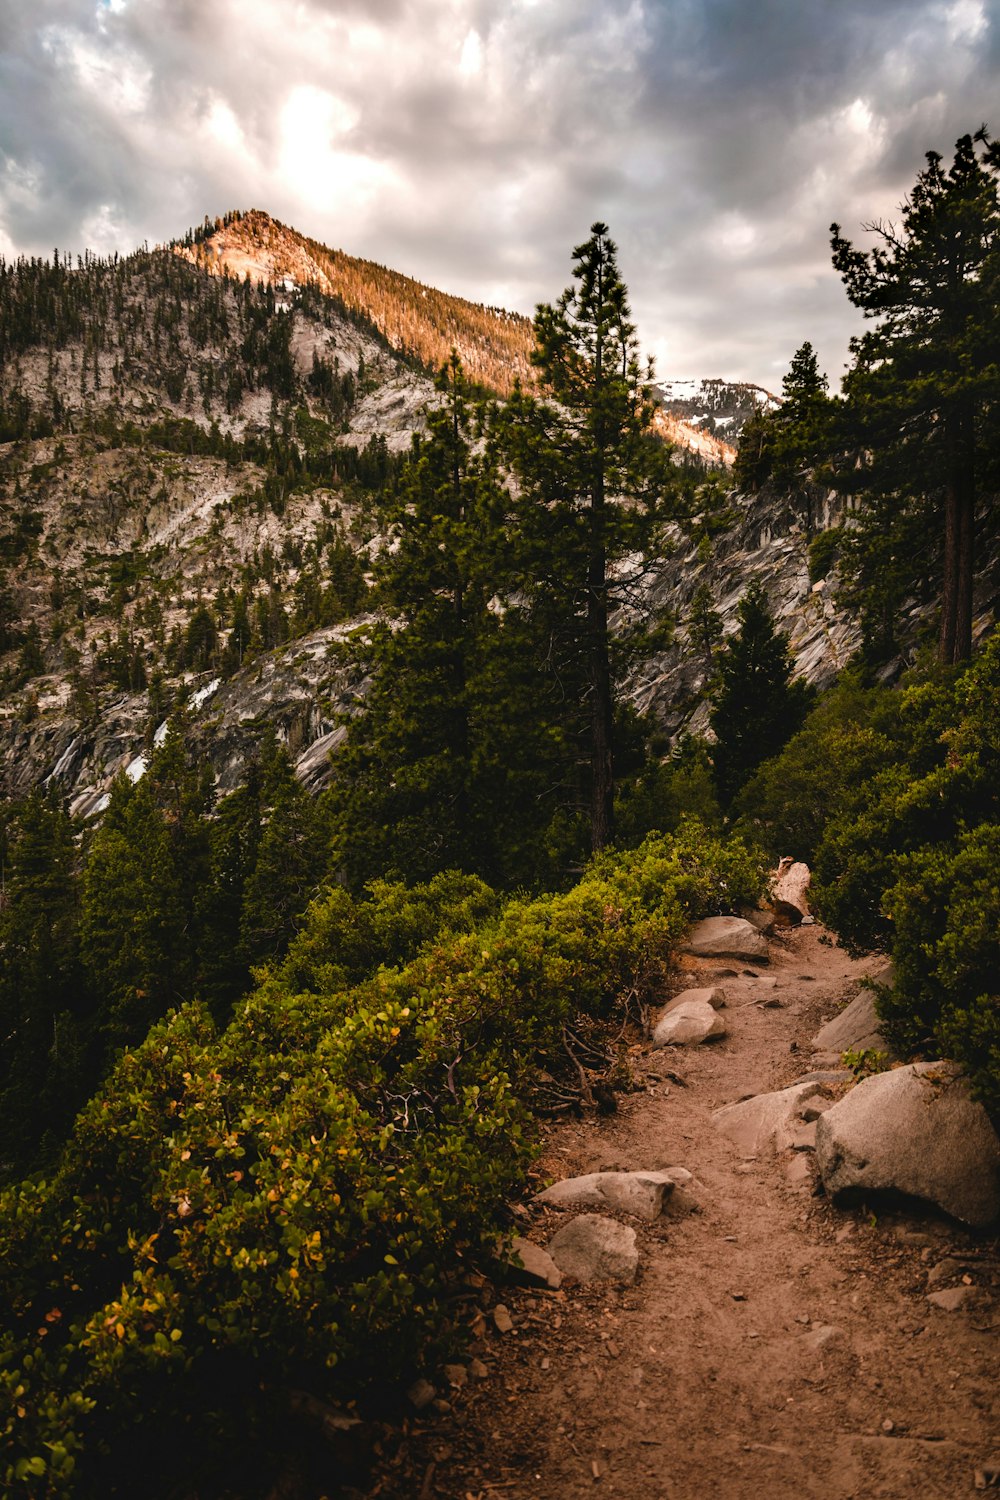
(472, 142)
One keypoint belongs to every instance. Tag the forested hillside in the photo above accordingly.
(278, 1030)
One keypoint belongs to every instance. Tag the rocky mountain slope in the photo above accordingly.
(190, 465)
(718, 408)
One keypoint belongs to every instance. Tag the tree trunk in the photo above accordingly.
(602, 803)
(955, 641)
(949, 582)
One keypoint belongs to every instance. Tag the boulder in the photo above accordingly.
(915, 1130)
(766, 1121)
(788, 890)
(714, 995)
(595, 1249)
(726, 937)
(534, 1263)
(688, 1024)
(639, 1193)
(760, 918)
(856, 1029)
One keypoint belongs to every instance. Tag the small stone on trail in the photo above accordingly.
(477, 1369)
(641, 1193)
(502, 1319)
(769, 1120)
(596, 1249)
(456, 1375)
(691, 1022)
(888, 1425)
(952, 1297)
(943, 1271)
(726, 937)
(714, 995)
(421, 1394)
(788, 891)
(857, 1028)
(536, 1265)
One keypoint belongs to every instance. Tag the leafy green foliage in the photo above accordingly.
(906, 860)
(290, 1201)
(757, 706)
(791, 798)
(593, 488)
(918, 431)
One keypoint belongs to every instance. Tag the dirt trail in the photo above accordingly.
(772, 1346)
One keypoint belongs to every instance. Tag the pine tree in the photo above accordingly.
(784, 445)
(143, 886)
(405, 778)
(757, 707)
(593, 484)
(43, 1014)
(923, 395)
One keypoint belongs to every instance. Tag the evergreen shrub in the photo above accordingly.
(290, 1202)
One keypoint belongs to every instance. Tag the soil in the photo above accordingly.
(772, 1346)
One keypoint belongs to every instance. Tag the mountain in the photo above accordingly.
(416, 320)
(717, 408)
(194, 441)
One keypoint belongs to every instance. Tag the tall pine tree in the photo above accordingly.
(593, 485)
(923, 396)
(757, 707)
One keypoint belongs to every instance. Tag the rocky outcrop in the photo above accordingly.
(789, 890)
(917, 1131)
(726, 937)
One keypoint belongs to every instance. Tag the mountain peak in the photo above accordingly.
(418, 320)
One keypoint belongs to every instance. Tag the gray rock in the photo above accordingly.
(639, 1193)
(769, 1120)
(943, 1271)
(951, 1298)
(595, 1249)
(726, 937)
(788, 892)
(914, 1130)
(856, 1029)
(688, 1024)
(421, 1394)
(714, 995)
(761, 919)
(502, 1320)
(536, 1264)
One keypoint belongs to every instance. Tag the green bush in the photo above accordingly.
(291, 1202)
(824, 550)
(790, 799)
(946, 911)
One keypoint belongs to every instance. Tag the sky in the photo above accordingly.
(472, 143)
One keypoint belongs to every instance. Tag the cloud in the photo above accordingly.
(472, 142)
